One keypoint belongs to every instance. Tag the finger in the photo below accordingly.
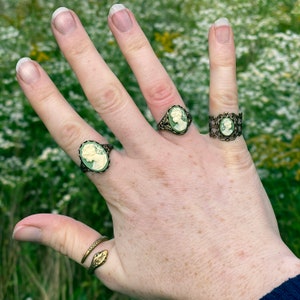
(156, 85)
(103, 89)
(71, 238)
(223, 87)
(65, 125)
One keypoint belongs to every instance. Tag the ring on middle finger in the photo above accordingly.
(176, 120)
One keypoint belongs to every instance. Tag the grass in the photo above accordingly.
(38, 177)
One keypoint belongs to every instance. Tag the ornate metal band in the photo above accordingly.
(226, 127)
(92, 247)
(94, 157)
(98, 260)
(177, 120)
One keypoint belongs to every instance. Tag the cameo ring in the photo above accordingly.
(94, 157)
(177, 120)
(226, 127)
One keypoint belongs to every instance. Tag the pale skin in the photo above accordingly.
(191, 218)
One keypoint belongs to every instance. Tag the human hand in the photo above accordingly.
(191, 218)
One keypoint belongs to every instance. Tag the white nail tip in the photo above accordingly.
(59, 11)
(21, 62)
(115, 8)
(222, 22)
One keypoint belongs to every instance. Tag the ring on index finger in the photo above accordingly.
(94, 156)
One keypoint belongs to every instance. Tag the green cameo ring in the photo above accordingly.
(94, 156)
(177, 120)
(226, 127)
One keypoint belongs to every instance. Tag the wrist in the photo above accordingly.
(289, 289)
(256, 276)
(265, 273)
(279, 278)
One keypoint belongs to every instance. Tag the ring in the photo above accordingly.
(98, 260)
(92, 247)
(94, 157)
(177, 120)
(226, 127)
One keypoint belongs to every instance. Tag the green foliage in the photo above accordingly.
(38, 177)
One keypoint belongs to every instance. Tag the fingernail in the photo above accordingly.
(63, 20)
(222, 30)
(120, 17)
(27, 233)
(27, 70)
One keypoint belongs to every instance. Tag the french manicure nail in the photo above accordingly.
(27, 70)
(63, 20)
(27, 233)
(222, 30)
(120, 17)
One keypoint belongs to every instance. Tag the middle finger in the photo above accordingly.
(156, 85)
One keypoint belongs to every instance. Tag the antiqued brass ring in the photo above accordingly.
(94, 156)
(92, 247)
(226, 127)
(98, 260)
(177, 120)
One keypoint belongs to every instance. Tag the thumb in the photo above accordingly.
(71, 238)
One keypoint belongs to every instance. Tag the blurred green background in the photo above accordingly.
(36, 176)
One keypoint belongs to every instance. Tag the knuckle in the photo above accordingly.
(47, 95)
(238, 157)
(224, 98)
(60, 241)
(80, 49)
(135, 45)
(161, 93)
(70, 134)
(223, 60)
(108, 100)
(61, 244)
(226, 64)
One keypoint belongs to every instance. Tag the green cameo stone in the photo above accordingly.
(226, 126)
(178, 119)
(94, 156)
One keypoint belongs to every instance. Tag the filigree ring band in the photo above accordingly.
(226, 127)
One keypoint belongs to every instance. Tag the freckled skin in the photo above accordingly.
(191, 218)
